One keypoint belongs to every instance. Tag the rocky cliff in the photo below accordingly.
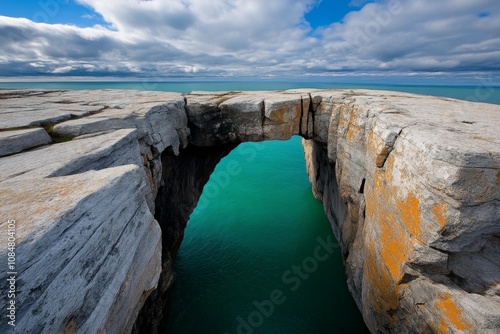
(97, 186)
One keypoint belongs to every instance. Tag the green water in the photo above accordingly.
(255, 220)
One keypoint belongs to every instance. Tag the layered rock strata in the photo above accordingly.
(410, 184)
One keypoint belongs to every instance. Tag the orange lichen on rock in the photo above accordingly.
(385, 266)
(278, 115)
(383, 293)
(451, 315)
(409, 211)
(342, 111)
(378, 147)
(394, 247)
(440, 212)
(353, 129)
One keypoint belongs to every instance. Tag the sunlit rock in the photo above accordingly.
(410, 184)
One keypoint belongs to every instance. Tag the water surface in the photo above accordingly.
(254, 236)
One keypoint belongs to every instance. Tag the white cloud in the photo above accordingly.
(64, 69)
(258, 38)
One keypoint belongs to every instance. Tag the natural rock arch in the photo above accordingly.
(366, 153)
(409, 183)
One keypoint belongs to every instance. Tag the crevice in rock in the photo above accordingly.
(55, 138)
(407, 278)
(390, 148)
(263, 117)
(362, 187)
(183, 179)
(301, 133)
(312, 111)
(19, 93)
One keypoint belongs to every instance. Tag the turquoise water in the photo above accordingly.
(255, 220)
(253, 259)
(483, 91)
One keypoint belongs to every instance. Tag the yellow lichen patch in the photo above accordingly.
(393, 246)
(345, 112)
(451, 316)
(440, 212)
(382, 289)
(278, 115)
(385, 264)
(353, 130)
(409, 212)
(377, 146)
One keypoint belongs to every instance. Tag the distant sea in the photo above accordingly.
(482, 92)
(256, 222)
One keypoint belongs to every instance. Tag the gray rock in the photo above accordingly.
(83, 154)
(409, 183)
(17, 141)
(160, 124)
(418, 180)
(80, 264)
(23, 108)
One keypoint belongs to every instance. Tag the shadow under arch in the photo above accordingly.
(259, 253)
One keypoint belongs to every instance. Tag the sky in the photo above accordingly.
(310, 40)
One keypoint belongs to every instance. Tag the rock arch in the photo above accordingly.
(410, 184)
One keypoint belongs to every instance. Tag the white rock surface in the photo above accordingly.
(79, 250)
(82, 154)
(159, 118)
(19, 140)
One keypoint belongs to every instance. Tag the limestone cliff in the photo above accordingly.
(411, 185)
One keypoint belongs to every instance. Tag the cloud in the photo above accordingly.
(258, 38)
(417, 36)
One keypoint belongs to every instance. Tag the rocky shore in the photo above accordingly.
(96, 188)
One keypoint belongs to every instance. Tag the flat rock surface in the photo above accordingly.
(17, 141)
(79, 155)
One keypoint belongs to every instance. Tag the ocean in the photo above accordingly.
(256, 222)
(483, 91)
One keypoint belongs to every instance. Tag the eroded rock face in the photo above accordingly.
(79, 250)
(89, 251)
(420, 216)
(410, 184)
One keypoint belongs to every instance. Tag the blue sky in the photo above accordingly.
(330, 40)
(71, 12)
